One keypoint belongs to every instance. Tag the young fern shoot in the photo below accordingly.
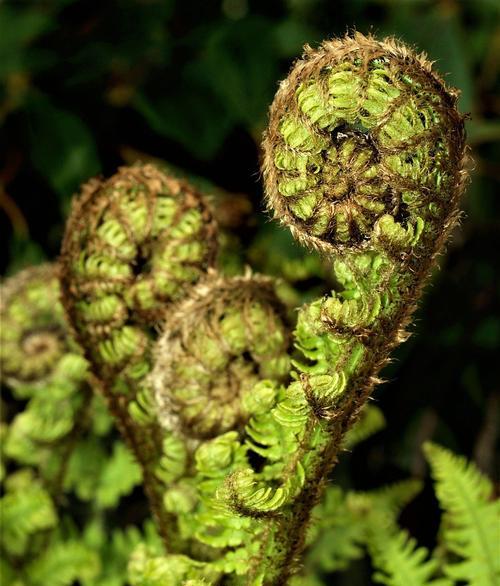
(132, 245)
(236, 436)
(364, 161)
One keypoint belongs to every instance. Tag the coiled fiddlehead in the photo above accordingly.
(363, 161)
(34, 337)
(224, 338)
(132, 245)
(222, 351)
(41, 362)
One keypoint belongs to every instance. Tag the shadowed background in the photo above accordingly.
(89, 86)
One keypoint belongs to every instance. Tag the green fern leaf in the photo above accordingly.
(85, 467)
(26, 508)
(399, 562)
(147, 569)
(118, 478)
(62, 564)
(336, 534)
(471, 521)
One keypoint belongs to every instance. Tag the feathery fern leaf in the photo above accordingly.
(400, 562)
(118, 478)
(471, 520)
(62, 564)
(26, 508)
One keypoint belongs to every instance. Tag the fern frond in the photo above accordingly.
(119, 476)
(62, 564)
(398, 561)
(147, 569)
(344, 522)
(471, 521)
(26, 508)
(336, 535)
(114, 550)
(84, 469)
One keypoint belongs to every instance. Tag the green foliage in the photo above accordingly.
(62, 564)
(468, 537)
(192, 81)
(118, 477)
(471, 518)
(399, 561)
(68, 155)
(26, 509)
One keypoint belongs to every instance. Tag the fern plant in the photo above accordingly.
(59, 448)
(236, 409)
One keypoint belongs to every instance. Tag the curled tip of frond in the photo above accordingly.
(33, 334)
(133, 244)
(363, 133)
(217, 343)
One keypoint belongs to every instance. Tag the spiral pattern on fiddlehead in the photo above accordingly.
(225, 337)
(133, 244)
(359, 131)
(34, 336)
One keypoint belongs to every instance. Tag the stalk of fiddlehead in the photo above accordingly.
(133, 244)
(364, 162)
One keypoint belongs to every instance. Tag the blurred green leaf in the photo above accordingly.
(291, 35)
(479, 131)
(240, 63)
(19, 27)
(24, 253)
(487, 334)
(120, 474)
(62, 147)
(195, 119)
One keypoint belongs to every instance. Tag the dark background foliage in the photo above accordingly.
(87, 85)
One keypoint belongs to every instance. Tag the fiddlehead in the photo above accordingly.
(132, 245)
(222, 352)
(217, 345)
(36, 345)
(41, 362)
(364, 162)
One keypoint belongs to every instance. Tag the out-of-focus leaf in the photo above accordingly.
(120, 474)
(24, 253)
(487, 334)
(193, 117)
(291, 35)
(479, 131)
(240, 64)
(18, 27)
(62, 147)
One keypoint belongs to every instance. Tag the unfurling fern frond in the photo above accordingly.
(471, 520)
(147, 568)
